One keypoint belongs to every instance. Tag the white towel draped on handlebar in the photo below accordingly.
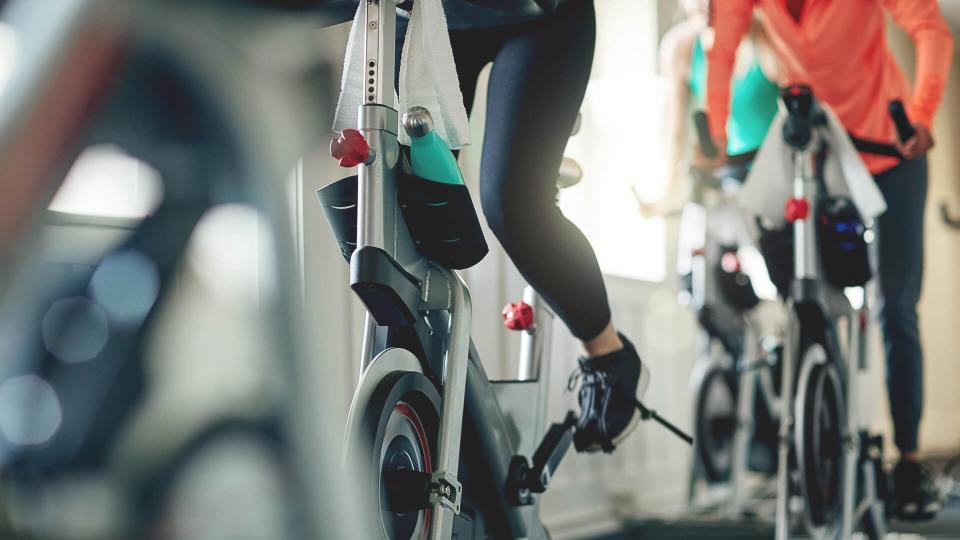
(770, 182)
(428, 75)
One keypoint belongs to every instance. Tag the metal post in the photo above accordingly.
(379, 50)
(369, 334)
(805, 248)
(454, 390)
(744, 430)
(851, 440)
(790, 353)
(378, 121)
(535, 354)
(535, 343)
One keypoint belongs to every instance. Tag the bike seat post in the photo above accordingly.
(377, 120)
(376, 186)
(804, 189)
(535, 353)
(535, 342)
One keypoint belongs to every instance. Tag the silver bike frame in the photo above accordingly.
(704, 292)
(380, 224)
(807, 268)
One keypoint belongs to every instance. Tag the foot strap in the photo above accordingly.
(648, 414)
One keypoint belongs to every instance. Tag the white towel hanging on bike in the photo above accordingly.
(770, 182)
(428, 75)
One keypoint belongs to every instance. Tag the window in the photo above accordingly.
(104, 182)
(109, 183)
(620, 145)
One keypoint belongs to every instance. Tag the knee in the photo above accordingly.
(495, 212)
(507, 213)
(899, 320)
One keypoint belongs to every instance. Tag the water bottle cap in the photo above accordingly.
(417, 122)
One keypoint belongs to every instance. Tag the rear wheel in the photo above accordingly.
(820, 427)
(716, 423)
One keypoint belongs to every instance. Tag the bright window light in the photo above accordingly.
(107, 182)
(621, 146)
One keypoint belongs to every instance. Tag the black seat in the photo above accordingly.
(333, 11)
(527, 7)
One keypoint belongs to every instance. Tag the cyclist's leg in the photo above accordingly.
(536, 88)
(900, 266)
(537, 85)
(900, 269)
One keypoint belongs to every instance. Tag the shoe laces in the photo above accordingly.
(590, 376)
(602, 382)
(925, 473)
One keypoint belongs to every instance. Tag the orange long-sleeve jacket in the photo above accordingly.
(839, 48)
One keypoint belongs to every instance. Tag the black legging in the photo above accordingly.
(539, 76)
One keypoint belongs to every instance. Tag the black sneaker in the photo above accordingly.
(610, 387)
(916, 495)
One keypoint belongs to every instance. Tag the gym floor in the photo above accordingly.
(946, 525)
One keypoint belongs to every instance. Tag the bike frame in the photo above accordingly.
(809, 288)
(704, 292)
(464, 384)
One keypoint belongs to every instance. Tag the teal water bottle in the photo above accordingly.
(430, 157)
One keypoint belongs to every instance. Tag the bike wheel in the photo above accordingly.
(820, 426)
(399, 433)
(716, 423)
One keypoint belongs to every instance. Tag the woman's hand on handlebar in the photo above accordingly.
(704, 163)
(918, 145)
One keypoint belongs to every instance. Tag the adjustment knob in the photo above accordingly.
(350, 148)
(796, 209)
(518, 316)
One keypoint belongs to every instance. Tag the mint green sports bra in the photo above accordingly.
(753, 107)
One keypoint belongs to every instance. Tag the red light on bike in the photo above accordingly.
(518, 316)
(350, 148)
(730, 263)
(796, 209)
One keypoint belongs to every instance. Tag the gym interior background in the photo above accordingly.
(591, 495)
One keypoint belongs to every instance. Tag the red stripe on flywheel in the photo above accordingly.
(407, 412)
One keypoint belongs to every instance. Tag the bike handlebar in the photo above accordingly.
(898, 113)
(707, 146)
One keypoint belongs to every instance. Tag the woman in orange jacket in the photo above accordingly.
(839, 49)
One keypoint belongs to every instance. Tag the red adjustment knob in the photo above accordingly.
(518, 316)
(350, 148)
(796, 209)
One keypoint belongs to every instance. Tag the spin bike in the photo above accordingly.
(734, 379)
(443, 449)
(826, 455)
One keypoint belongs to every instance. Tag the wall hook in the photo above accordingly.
(950, 220)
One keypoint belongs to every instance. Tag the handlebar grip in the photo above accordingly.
(899, 115)
(707, 146)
